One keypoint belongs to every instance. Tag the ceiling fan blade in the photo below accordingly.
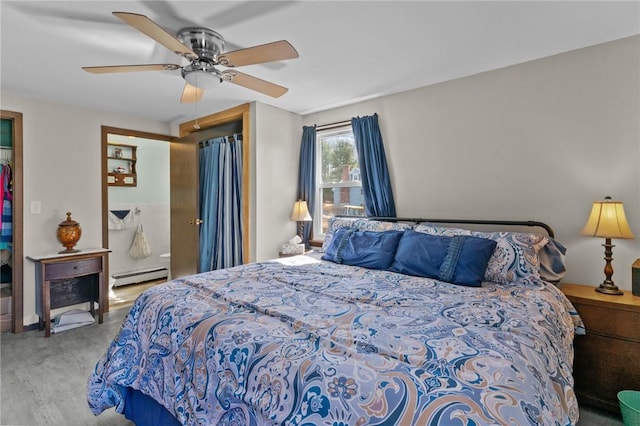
(254, 83)
(276, 51)
(156, 32)
(131, 68)
(191, 94)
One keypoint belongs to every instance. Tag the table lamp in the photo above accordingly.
(607, 220)
(301, 214)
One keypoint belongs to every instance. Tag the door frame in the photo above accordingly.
(105, 131)
(17, 281)
(238, 113)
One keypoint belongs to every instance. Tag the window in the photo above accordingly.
(338, 182)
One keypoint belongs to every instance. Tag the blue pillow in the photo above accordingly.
(369, 249)
(459, 259)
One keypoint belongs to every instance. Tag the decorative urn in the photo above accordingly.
(69, 233)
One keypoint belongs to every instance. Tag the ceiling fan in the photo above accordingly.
(203, 48)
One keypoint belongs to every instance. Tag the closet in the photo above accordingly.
(10, 233)
(185, 212)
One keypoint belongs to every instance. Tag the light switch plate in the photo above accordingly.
(36, 207)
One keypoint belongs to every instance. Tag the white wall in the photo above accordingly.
(276, 153)
(540, 140)
(61, 160)
(150, 197)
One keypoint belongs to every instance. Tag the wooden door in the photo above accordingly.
(185, 220)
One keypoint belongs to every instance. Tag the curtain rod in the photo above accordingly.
(231, 137)
(333, 125)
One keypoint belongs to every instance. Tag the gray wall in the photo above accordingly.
(540, 140)
(276, 156)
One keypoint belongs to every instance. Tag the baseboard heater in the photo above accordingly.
(140, 276)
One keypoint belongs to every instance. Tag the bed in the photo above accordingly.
(358, 332)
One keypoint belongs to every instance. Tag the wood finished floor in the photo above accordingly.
(125, 295)
(43, 380)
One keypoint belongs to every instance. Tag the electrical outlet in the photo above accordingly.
(36, 207)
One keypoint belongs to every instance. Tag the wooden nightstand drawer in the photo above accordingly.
(603, 367)
(73, 268)
(606, 359)
(605, 321)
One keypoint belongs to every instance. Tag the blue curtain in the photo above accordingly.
(307, 176)
(376, 182)
(221, 203)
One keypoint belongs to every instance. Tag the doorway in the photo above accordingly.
(12, 297)
(135, 210)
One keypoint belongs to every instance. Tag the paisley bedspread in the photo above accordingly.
(301, 341)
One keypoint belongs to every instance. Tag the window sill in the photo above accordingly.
(315, 243)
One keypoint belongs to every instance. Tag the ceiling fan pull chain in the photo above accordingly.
(196, 125)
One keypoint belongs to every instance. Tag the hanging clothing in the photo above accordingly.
(140, 247)
(221, 203)
(6, 217)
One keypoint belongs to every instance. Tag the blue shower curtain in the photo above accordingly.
(376, 182)
(221, 203)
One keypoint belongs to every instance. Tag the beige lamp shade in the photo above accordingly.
(607, 220)
(300, 212)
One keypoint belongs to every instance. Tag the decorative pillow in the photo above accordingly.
(459, 259)
(515, 256)
(552, 267)
(336, 223)
(369, 249)
(431, 229)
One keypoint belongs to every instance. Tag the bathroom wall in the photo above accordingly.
(149, 206)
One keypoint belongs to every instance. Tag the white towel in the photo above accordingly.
(127, 222)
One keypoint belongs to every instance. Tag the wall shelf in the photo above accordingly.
(121, 164)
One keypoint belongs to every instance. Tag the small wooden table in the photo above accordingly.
(69, 279)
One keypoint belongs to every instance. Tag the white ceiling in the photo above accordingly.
(349, 51)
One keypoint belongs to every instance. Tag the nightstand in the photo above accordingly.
(69, 279)
(607, 359)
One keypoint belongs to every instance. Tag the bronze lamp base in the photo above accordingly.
(608, 287)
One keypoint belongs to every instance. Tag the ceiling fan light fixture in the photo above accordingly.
(202, 75)
(202, 79)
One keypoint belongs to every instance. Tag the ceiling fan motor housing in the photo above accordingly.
(207, 44)
(203, 41)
